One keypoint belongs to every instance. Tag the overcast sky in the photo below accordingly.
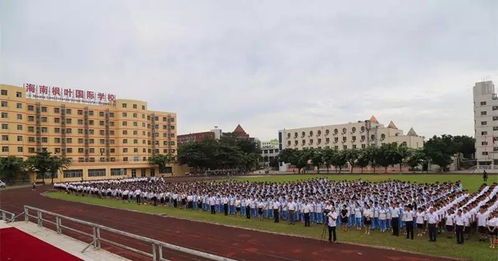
(267, 65)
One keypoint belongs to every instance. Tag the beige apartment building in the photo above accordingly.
(486, 125)
(354, 135)
(103, 136)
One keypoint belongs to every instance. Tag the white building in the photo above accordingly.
(486, 124)
(269, 151)
(354, 135)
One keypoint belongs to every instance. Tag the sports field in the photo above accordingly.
(472, 249)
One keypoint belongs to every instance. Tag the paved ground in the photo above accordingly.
(240, 244)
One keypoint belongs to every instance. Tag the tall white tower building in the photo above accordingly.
(486, 124)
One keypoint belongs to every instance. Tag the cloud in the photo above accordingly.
(267, 65)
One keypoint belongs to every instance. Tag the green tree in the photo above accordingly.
(417, 158)
(329, 155)
(56, 164)
(363, 159)
(316, 158)
(440, 150)
(11, 168)
(162, 161)
(340, 160)
(40, 163)
(351, 156)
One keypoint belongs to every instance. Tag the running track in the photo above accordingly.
(240, 244)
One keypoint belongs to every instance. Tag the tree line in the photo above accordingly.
(43, 163)
(229, 152)
(438, 150)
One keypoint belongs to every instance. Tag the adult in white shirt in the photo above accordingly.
(291, 206)
(332, 223)
(450, 223)
(276, 214)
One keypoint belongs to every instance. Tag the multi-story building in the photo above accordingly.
(200, 136)
(348, 136)
(269, 151)
(103, 136)
(486, 124)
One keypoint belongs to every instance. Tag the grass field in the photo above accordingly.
(472, 249)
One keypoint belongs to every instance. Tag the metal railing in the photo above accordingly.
(156, 252)
(7, 216)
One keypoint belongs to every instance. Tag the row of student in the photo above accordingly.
(360, 211)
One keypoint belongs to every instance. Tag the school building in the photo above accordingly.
(353, 135)
(104, 137)
(486, 124)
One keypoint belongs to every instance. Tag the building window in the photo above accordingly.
(3, 103)
(19, 127)
(19, 105)
(19, 149)
(495, 118)
(123, 105)
(484, 153)
(19, 94)
(5, 126)
(483, 103)
(5, 148)
(4, 92)
(73, 173)
(484, 123)
(5, 115)
(5, 137)
(96, 172)
(484, 112)
(118, 172)
(484, 143)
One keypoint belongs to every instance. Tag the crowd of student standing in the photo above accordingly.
(361, 205)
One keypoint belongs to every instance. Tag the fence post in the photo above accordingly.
(94, 237)
(40, 222)
(98, 237)
(154, 254)
(160, 248)
(58, 224)
(4, 216)
(26, 213)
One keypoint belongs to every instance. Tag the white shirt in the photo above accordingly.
(460, 220)
(481, 219)
(432, 218)
(332, 222)
(394, 212)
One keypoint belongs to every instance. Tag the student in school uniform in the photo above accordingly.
(276, 214)
(460, 220)
(419, 219)
(383, 219)
(291, 206)
(344, 217)
(237, 206)
(367, 217)
(492, 225)
(408, 219)
(482, 217)
(358, 216)
(432, 220)
(450, 223)
(332, 223)
(395, 219)
(307, 209)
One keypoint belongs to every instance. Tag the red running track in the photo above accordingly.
(236, 243)
(15, 245)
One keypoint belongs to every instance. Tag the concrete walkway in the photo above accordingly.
(63, 242)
